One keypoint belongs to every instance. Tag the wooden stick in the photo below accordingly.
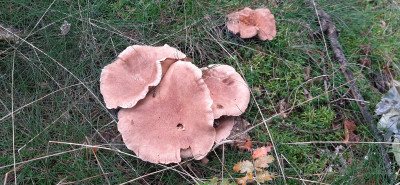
(329, 28)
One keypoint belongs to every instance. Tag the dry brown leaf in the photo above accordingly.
(65, 27)
(244, 166)
(282, 107)
(244, 179)
(205, 161)
(349, 128)
(248, 146)
(365, 61)
(261, 177)
(9, 34)
(259, 152)
(95, 149)
(307, 72)
(263, 161)
(257, 89)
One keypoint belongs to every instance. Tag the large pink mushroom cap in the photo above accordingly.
(249, 23)
(229, 92)
(178, 116)
(127, 80)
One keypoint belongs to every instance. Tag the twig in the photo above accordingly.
(328, 27)
(13, 118)
(98, 161)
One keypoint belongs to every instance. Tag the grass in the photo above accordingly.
(41, 78)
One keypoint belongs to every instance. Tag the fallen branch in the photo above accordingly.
(329, 28)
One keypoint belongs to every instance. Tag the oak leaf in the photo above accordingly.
(261, 152)
(349, 128)
(244, 179)
(263, 161)
(248, 145)
(244, 166)
(261, 177)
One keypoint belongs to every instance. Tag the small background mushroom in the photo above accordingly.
(249, 23)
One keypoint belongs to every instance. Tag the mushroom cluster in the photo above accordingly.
(249, 23)
(169, 107)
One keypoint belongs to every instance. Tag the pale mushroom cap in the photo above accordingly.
(233, 23)
(266, 24)
(167, 62)
(250, 23)
(127, 80)
(223, 130)
(179, 116)
(229, 92)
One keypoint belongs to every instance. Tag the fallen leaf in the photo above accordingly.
(391, 100)
(349, 135)
(248, 146)
(261, 177)
(366, 49)
(238, 129)
(259, 152)
(205, 161)
(244, 179)
(282, 108)
(263, 161)
(257, 90)
(389, 108)
(95, 149)
(65, 27)
(238, 133)
(244, 166)
(396, 149)
(307, 72)
(9, 34)
(365, 61)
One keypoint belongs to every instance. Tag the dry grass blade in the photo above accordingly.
(116, 150)
(32, 102)
(40, 158)
(298, 174)
(98, 162)
(13, 117)
(12, 171)
(63, 67)
(5, 34)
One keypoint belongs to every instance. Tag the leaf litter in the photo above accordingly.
(389, 124)
(261, 160)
